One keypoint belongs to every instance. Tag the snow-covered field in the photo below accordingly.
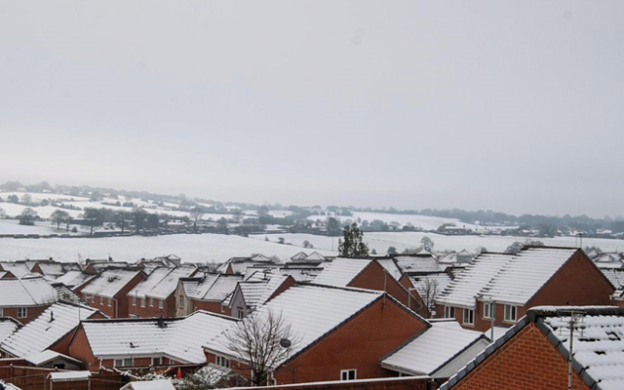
(418, 221)
(12, 226)
(190, 247)
(404, 240)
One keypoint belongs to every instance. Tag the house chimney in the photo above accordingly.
(51, 316)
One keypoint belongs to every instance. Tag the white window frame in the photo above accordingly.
(222, 361)
(154, 362)
(469, 313)
(487, 310)
(142, 302)
(161, 303)
(134, 299)
(151, 302)
(110, 301)
(344, 374)
(449, 312)
(508, 312)
(123, 362)
(21, 314)
(102, 300)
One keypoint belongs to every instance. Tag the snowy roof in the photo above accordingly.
(299, 256)
(311, 311)
(615, 276)
(17, 268)
(315, 256)
(178, 338)
(110, 282)
(45, 330)
(432, 349)
(49, 268)
(524, 274)
(74, 278)
(302, 274)
(213, 287)
(504, 277)
(161, 282)
(257, 292)
(160, 384)
(47, 356)
(433, 283)
(69, 376)
(341, 271)
(598, 357)
(417, 263)
(7, 326)
(391, 267)
(9, 386)
(26, 292)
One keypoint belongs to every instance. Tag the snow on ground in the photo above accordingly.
(190, 247)
(404, 240)
(418, 221)
(12, 226)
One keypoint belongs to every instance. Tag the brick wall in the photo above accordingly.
(211, 306)
(374, 277)
(526, 362)
(413, 383)
(149, 311)
(32, 312)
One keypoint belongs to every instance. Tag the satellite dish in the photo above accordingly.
(285, 343)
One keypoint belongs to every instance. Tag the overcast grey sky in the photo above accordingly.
(516, 106)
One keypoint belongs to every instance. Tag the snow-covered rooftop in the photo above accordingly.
(341, 271)
(257, 291)
(505, 278)
(30, 291)
(161, 282)
(47, 356)
(45, 330)
(74, 278)
(212, 287)
(417, 263)
(161, 384)
(7, 326)
(178, 338)
(311, 311)
(17, 268)
(391, 267)
(432, 349)
(615, 276)
(110, 282)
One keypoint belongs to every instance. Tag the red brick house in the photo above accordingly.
(51, 330)
(206, 292)
(155, 295)
(339, 333)
(534, 353)
(24, 299)
(143, 343)
(108, 291)
(255, 291)
(363, 273)
(500, 288)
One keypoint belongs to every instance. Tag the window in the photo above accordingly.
(468, 316)
(134, 300)
(221, 361)
(510, 313)
(123, 362)
(1, 312)
(133, 316)
(101, 299)
(449, 312)
(161, 303)
(88, 297)
(240, 313)
(348, 375)
(487, 310)
(151, 302)
(142, 302)
(110, 301)
(22, 312)
(156, 362)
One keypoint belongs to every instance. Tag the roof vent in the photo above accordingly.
(132, 345)
(51, 316)
(111, 279)
(161, 322)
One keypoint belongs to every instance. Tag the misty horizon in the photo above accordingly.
(506, 106)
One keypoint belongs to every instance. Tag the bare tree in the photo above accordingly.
(261, 341)
(196, 214)
(429, 293)
(59, 216)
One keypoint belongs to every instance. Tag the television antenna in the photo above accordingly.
(575, 321)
